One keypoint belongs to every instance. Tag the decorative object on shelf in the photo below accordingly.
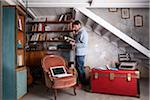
(52, 47)
(112, 9)
(64, 46)
(125, 13)
(138, 20)
(47, 28)
(19, 44)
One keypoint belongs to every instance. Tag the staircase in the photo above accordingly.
(125, 43)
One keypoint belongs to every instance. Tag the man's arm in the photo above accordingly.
(83, 40)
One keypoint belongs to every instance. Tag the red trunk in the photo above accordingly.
(121, 82)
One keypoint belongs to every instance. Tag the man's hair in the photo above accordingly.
(76, 22)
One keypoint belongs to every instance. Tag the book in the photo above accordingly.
(40, 27)
(19, 24)
(61, 17)
(19, 60)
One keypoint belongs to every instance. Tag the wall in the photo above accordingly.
(0, 51)
(100, 51)
(140, 34)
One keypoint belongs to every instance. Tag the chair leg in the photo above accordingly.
(74, 90)
(55, 94)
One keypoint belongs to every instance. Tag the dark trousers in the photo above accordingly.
(80, 69)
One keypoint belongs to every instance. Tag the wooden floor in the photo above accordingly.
(39, 92)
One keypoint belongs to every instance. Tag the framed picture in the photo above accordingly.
(112, 9)
(138, 20)
(125, 13)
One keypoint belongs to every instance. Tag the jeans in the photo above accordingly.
(80, 68)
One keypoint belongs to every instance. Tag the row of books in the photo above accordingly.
(38, 27)
(38, 37)
(49, 37)
(41, 27)
(65, 17)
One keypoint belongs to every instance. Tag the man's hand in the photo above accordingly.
(72, 43)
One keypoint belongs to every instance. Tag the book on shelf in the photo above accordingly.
(61, 17)
(69, 16)
(68, 39)
(38, 37)
(44, 36)
(36, 27)
(19, 60)
(32, 28)
(33, 37)
(19, 24)
(47, 37)
(40, 27)
(43, 27)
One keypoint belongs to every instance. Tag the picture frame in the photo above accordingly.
(112, 9)
(125, 13)
(138, 20)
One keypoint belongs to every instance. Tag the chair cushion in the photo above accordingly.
(64, 82)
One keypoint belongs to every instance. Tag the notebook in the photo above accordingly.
(59, 71)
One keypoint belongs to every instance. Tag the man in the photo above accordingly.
(81, 42)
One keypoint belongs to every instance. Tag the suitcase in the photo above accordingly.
(121, 82)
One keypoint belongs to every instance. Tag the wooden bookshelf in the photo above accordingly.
(50, 22)
(56, 31)
(14, 51)
(37, 36)
(52, 43)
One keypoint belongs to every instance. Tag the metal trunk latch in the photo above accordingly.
(112, 76)
(128, 77)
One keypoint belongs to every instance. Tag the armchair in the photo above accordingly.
(55, 82)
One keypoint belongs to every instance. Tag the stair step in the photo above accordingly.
(122, 44)
(81, 17)
(89, 23)
(103, 31)
(88, 29)
(97, 29)
(94, 25)
(114, 38)
(122, 49)
(140, 56)
(131, 50)
(114, 43)
(106, 35)
(145, 64)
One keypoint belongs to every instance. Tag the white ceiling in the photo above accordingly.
(56, 7)
(88, 3)
(49, 11)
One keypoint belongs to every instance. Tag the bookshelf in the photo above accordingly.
(13, 51)
(20, 40)
(44, 34)
(47, 37)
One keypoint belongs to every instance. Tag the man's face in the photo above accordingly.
(76, 27)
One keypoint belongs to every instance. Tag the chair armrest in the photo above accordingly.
(72, 70)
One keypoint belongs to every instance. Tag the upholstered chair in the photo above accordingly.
(56, 83)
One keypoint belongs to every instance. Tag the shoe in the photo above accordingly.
(86, 88)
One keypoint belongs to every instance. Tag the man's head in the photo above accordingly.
(76, 25)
